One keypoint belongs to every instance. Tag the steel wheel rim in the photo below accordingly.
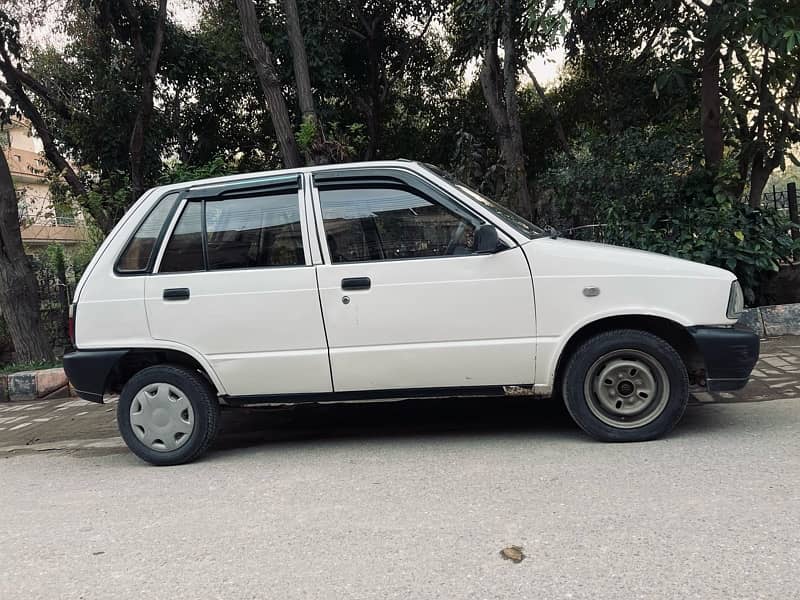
(627, 388)
(161, 417)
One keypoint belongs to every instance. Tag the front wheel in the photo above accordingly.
(168, 414)
(626, 386)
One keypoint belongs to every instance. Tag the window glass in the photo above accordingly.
(262, 231)
(184, 252)
(388, 223)
(519, 223)
(136, 256)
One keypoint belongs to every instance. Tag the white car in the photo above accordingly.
(384, 280)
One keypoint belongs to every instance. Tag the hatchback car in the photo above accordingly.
(384, 280)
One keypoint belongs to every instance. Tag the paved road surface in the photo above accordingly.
(411, 500)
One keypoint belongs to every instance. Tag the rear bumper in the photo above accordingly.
(88, 371)
(729, 356)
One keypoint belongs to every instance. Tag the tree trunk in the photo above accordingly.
(270, 85)
(148, 64)
(515, 157)
(759, 175)
(710, 97)
(551, 110)
(19, 292)
(305, 98)
(373, 133)
(299, 61)
(373, 112)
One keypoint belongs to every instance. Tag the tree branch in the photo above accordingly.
(58, 105)
(548, 105)
(388, 84)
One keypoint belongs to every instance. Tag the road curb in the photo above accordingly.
(25, 386)
(772, 321)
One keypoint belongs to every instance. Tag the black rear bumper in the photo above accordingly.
(88, 371)
(729, 355)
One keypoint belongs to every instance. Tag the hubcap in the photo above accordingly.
(626, 388)
(162, 417)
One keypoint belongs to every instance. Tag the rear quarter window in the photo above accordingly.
(136, 258)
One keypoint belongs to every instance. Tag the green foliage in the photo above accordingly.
(385, 86)
(55, 258)
(645, 189)
(307, 133)
(36, 365)
(338, 145)
(177, 172)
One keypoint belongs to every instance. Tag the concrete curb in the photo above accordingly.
(25, 386)
(772, 321)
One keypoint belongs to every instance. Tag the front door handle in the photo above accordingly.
(356, 283)
(176, 294)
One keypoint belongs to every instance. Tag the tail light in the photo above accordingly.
(71, 324)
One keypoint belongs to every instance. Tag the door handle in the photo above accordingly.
(356, 283)
(176, 294)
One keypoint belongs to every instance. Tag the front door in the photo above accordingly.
(406, 302)
(235, 282)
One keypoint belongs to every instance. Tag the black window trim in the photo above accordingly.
(159, 240)
(250, 191)
(369, 178)
(272, 184)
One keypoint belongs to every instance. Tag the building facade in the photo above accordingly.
(42, 222)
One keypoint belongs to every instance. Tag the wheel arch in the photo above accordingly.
(136, 359)
(672, 332)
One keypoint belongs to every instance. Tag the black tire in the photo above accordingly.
(592, 390)
(201, 397)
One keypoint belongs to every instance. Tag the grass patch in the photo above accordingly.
(29, 366)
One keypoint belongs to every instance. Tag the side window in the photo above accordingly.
(136, 256)
(382, 223)
(184, 252)
(241, 233)
(260, 231)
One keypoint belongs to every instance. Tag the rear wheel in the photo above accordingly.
(168, 414)
(625, 386)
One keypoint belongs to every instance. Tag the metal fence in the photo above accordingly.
(784, 200)
(55, 290)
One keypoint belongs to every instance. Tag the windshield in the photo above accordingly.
(520, 224)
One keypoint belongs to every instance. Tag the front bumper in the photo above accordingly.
(729, 355)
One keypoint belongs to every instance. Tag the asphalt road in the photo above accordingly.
(414, 500)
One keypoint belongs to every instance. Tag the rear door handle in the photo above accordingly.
(356, 283)
(176, 294)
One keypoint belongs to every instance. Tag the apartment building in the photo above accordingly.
(42, 222)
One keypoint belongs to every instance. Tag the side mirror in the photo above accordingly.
(485, 239)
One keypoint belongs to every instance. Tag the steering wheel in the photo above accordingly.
(456, 238)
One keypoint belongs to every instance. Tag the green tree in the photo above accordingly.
(19, 292)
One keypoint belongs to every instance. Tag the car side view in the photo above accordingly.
(384, 280)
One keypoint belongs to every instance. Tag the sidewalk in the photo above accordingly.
(70, 425)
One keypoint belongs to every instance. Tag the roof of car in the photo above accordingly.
(310, 169)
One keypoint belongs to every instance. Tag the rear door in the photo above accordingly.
(234, 281)
(407, 303)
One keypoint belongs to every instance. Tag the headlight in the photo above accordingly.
(735, 301)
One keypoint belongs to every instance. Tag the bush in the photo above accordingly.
(646, 189)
